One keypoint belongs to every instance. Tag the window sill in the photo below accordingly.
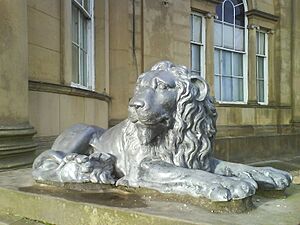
(249, 104)
(67, 90)
(230, 103)
(81, 86)
(263, 103)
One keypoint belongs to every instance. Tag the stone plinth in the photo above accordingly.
(19, 195)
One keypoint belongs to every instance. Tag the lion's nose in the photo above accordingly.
(137, 104)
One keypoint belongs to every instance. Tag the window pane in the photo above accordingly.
(228, 36)
(197, 29)
(228, 12)
(217, 62)
(219, 12)
(84, 33)
(226, 88)
(235, 2)
(81, 18)
(239, 15)
(191, 23)
(197, 73)
(237, 64)
(75, 72)
(238, 89)
(74, 24)
(261, 95)
(261, 43)
(218, 34)
(195, 57)
(226, 64)
(87, 5)
(84, 68)
(257, 42)
(260, 67)
(79, 1)
(217, 88)
(239, 39)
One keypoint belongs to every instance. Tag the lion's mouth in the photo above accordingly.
(164, 120)
(149, 120)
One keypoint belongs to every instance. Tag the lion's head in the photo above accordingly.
(173, 115)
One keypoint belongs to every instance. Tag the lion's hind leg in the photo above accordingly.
(45, 166)
(77, 139)
(60, 167)
(69, 159)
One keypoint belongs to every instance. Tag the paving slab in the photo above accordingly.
(20, 195)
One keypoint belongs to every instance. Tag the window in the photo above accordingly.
(230, 52)
(82, 44)
(261, 67)
(197, 44)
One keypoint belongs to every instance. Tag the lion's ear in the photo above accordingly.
(202, 86)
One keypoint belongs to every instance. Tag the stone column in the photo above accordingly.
(209, 52)
(252, 96)
(16, 145)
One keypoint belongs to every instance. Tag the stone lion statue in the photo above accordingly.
(165, 144)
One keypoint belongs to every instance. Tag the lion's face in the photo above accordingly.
(153, 105)
(172, 112)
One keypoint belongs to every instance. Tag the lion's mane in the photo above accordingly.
(189, 143)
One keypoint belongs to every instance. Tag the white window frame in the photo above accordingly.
(90, 46)
(245, 55)
(266, 71)
(202, 44)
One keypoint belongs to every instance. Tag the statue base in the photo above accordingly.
(92, 204)
(138, 196)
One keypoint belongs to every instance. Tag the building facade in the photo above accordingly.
(76, 61)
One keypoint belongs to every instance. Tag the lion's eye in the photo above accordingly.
(162, 85)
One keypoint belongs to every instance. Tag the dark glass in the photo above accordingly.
(74, 24)
(240, 15)
(219, 12)
(226, 89)
(236, 2)
(228, 12)
(87, 5)
(217, 87)
(75, 64)
(261, 94)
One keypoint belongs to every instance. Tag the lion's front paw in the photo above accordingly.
(74, 168)
(268, 177)
(228, 188)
